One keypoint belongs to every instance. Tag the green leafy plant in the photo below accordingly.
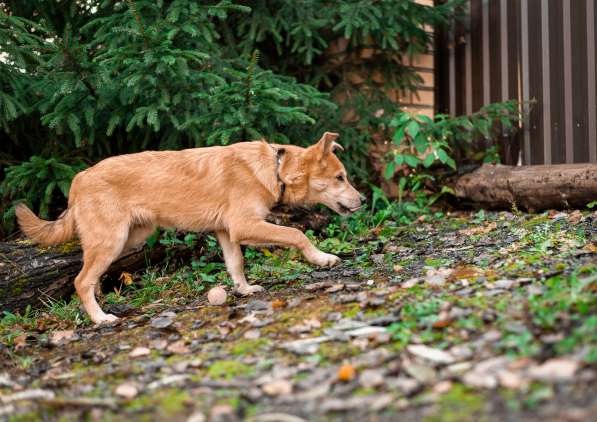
(421, 141)
(38, 182)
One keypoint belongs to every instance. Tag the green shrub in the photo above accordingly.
(86, 80)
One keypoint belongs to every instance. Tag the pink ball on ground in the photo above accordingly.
(216, 295)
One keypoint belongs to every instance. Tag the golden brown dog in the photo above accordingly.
(116, 204)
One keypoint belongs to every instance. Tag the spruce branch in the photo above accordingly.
(137, 16)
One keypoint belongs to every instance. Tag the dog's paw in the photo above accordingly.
(104, 319)
(323, 259)
(249, 289)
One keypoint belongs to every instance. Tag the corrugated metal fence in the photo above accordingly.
(542, 50)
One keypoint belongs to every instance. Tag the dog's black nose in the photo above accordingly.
(363, 199)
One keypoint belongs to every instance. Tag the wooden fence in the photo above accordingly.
(541, 50)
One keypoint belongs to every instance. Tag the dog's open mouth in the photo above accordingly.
(346, 210)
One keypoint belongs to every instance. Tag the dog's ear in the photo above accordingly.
(327, 144)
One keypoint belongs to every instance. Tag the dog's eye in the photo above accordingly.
(340, 178)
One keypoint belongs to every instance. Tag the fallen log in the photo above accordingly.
(532, 188)
(32, 275)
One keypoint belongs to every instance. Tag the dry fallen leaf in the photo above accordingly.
(346, 372)
(126, 278)
(278, 304)
(20, 341)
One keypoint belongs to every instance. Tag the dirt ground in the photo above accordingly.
(472, 317)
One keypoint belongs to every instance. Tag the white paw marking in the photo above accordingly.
(104, 319)
(323, 259)
(249, 289)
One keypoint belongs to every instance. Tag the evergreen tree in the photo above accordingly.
(84, 79)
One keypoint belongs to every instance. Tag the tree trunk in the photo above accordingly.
(533, 188)
(32, 275)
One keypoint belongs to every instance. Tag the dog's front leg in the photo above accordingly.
(233, 256)
(263, 233)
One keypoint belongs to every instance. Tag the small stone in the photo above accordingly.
(458, 369)
(378, 258)
(61, 337)
(181, 367)
(306, 346)
(442, 387)
(161, 322)
(178, 347)
(159, 344)
(306, 326)
(334, 316)
(555, 370)
(196, 417)
(430, 354)
(438, 277)
(479, 379)
(366, 332)
(258, 305)
(252, 334)
(412, 282)
(461, 351)
(127, 390)
(221, 413)
(216, 296)
(423, 374)
(534, 290)
(371, 378)
(405, 385)
(335, 288)
(139, 352)
(511, 380)
(279, 387)
(505, 284)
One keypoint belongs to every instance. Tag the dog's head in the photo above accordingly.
(327, 181)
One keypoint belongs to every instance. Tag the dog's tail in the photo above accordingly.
(46, 232)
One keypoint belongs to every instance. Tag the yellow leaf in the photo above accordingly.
(126, 278)
(266, 252)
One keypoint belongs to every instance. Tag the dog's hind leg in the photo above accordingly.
(97, 257)
(233, 256)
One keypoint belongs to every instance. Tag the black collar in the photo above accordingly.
(279, 152)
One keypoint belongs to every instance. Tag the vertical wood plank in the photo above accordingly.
(545, 82)
(568, 81)
(485, 53)
(505, 92)
(495, 51)
(452, 92)
(476, 54)
(535, 52)
(525, 82)
(468, 63)
(579, 144)
(591, 76)
(556, 63)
